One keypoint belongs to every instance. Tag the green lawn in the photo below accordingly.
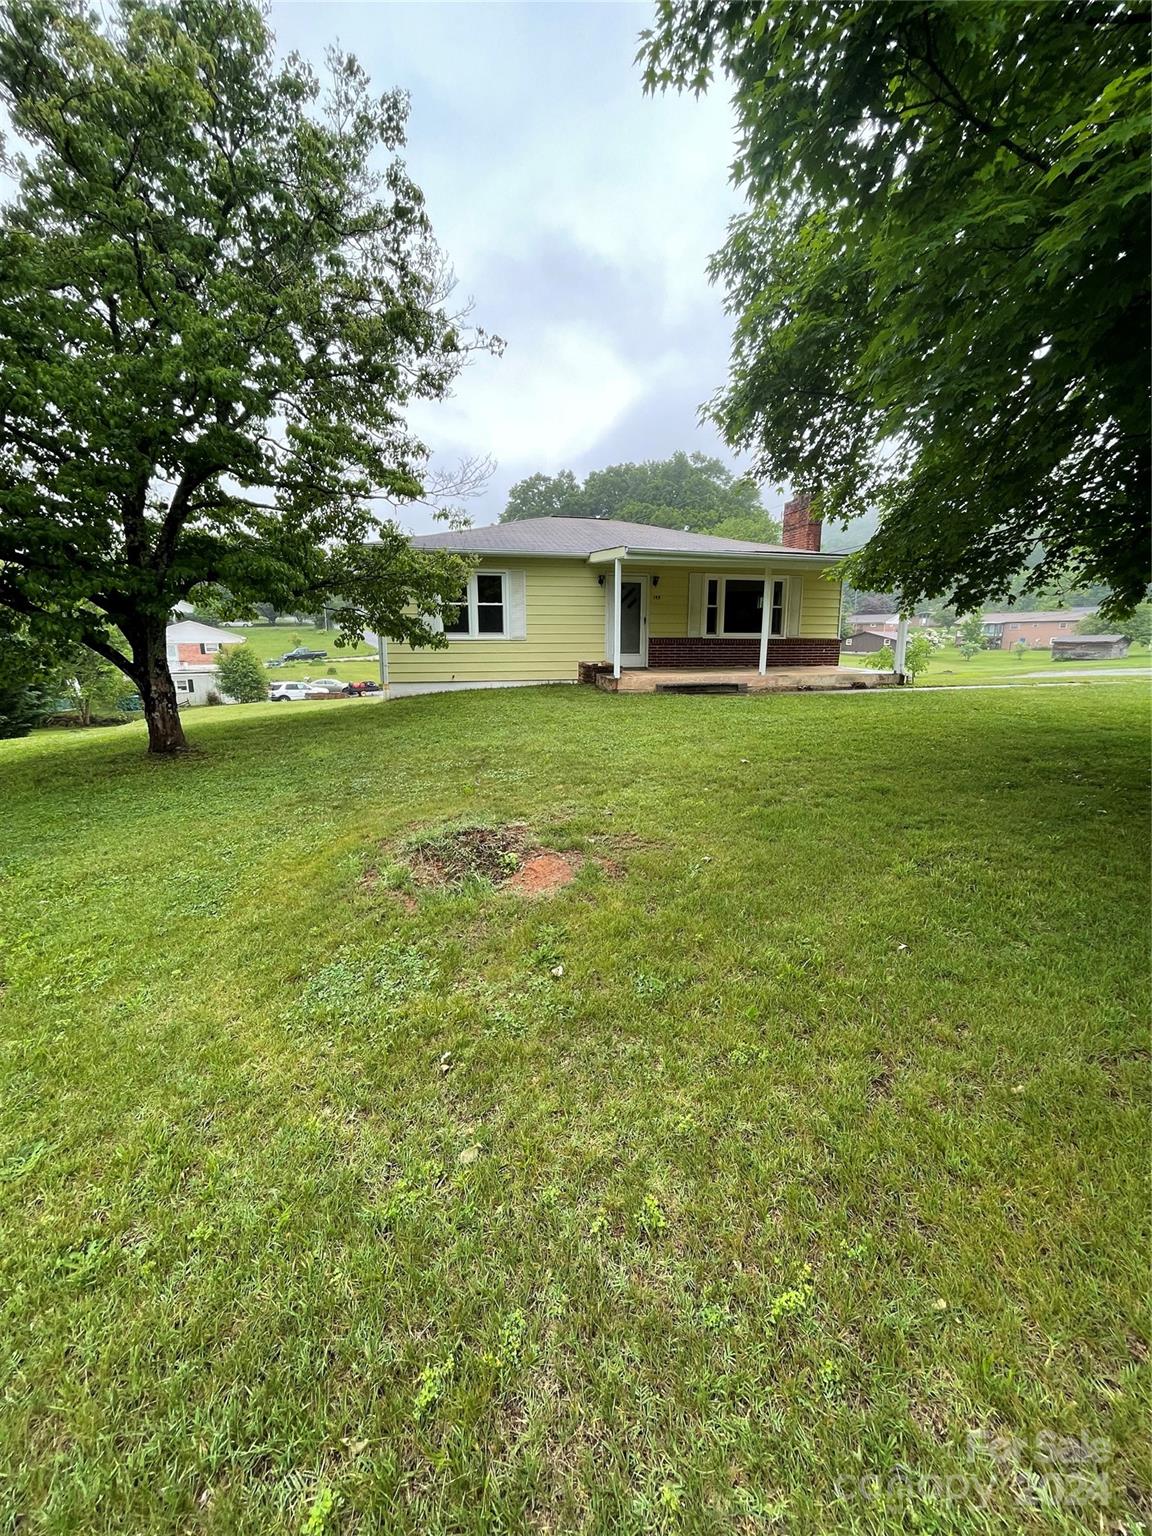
(949, 666)
(349, 661)
(794, 1145)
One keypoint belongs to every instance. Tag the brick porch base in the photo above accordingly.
(712, 651)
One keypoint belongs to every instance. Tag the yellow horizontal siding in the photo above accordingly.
(668, 604)
(564, 619)
(819, 607)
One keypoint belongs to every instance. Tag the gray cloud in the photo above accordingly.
(578, 213)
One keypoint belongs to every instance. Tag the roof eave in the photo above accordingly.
(708, 557)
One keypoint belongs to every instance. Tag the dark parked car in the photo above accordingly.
(302, 653)
(352, 688)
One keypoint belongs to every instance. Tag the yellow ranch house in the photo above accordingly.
(633, 607)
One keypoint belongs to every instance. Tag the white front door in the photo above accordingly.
(634, 623)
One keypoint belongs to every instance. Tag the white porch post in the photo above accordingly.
(616, 579)
(900, 650)
(765, 620)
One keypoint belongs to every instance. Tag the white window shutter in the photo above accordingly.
(434, 622)
(609, 615)
(516, 614)
(696, 590)
(793, 589)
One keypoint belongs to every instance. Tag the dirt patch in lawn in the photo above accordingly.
(454, 854)
(543, 874)
(506, 856)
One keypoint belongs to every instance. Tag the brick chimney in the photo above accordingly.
(801, 527)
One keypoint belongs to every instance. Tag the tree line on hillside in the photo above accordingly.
(688, 490)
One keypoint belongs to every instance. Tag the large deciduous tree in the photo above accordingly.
(688, 490)
(218, 292)
(941, 284)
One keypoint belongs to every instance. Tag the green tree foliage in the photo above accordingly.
(689, 490)
(218, 292)
(240, 674)
(92, 685)
(24, 690)
(940, 290)
(1136, 626)
(918, 652)
(970, 636)
(545, 496)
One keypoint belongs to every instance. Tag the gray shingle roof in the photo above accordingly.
(584, 536)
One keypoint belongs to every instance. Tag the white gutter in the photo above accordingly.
(705, 559)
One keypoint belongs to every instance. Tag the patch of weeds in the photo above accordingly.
(510, 1342)
(653, 989)
(651, 1219)
(713, 1317)
(464, 852)
(547, 951)
(793, 1302)
(78, 1267)
(411, 1196)
(830, 1379)
(318, 1521)
(431, 1385)
(356, 985)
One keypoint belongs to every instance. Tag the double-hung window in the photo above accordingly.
(481, 612)
(734, 606)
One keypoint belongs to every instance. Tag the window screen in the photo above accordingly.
(489, 603)
(776, 618)
(743, 602)
(481, 609)
(456, 620)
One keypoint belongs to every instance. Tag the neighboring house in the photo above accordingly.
(552, 593)
(1037, 630)
(192, 644)
(191, 648)
(1089, 647)
(866, 641)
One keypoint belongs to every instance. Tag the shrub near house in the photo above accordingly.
(240, 675)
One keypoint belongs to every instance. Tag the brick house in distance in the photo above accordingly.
(1037, 629)
(191, 649)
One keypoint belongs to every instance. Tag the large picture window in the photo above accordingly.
(734, 606)
(481, 612)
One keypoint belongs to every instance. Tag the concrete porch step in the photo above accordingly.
(743, 680)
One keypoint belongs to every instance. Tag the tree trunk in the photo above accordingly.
(158, 693)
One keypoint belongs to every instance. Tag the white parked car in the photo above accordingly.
(289, 689)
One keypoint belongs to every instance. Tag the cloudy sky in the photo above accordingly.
(579, 215)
